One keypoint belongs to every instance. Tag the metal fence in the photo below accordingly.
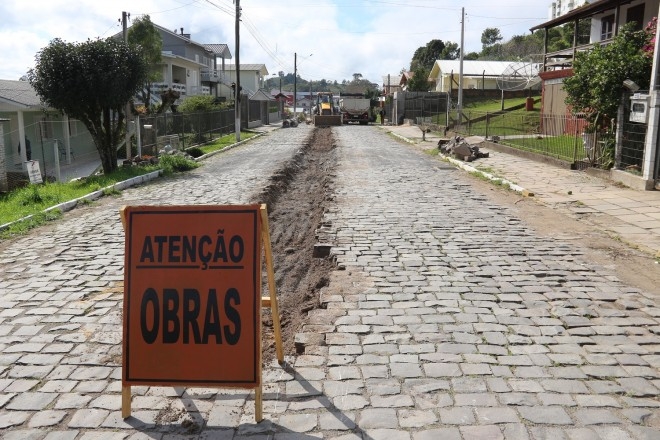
(557, 136)
(631, 157)
(182, 130)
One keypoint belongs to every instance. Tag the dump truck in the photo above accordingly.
(355, 108)
(326, 112)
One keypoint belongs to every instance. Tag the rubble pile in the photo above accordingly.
(459, 148)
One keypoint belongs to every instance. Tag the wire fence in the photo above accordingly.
(561, 137)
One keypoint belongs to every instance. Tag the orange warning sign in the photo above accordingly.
(192, 301)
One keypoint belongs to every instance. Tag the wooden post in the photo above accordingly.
(125, 402)
(125, 390)
(258, 404)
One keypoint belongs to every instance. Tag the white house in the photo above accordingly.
(252, 78)
(562, 7)
(190, 68)
(481, 75)
(26, 119)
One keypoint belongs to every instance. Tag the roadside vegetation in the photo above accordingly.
(494, 105)
(32, 200)
(225, 141)
(29, 203)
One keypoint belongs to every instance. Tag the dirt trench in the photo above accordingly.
(295, 199)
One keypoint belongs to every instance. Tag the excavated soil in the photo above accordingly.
(295, 201)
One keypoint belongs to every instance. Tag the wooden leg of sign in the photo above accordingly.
(275, 311)
(125, 402)
(122, 215)
(258, 404)
(125, 390)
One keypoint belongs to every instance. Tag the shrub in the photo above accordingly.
(195, 152)
(177, 163)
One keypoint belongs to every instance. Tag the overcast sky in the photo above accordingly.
(333, 38)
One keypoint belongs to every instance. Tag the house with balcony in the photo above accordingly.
(190, 68)
(597, 23)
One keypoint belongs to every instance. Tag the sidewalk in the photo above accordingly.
(631, 215)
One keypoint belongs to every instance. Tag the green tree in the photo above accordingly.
(200, 103)
(425, 56)
(596, 86)
(490, 36)
(420, 80)
(148, 41)
(450, 52)
(91, 82)
(522, 47)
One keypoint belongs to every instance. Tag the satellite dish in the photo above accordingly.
(521, 75)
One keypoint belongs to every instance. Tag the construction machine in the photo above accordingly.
(326, 112)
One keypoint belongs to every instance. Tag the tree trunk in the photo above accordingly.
(106, 142)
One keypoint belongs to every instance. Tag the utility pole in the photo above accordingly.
(124, 25)
(460, 69)
(295, 75)
(237, 89)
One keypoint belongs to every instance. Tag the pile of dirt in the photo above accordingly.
(295, 201)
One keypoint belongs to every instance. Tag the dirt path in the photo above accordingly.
(295, 200)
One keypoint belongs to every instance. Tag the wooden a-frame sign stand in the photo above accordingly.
(265, 301)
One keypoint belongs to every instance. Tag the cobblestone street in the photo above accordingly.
(447, 318)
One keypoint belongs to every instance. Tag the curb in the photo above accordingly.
(120, 186)
(470, 169)
(71, 204)
(229, 147)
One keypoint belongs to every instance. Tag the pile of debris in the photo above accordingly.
(459, 148)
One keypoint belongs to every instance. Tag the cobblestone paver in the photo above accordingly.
(458, 322)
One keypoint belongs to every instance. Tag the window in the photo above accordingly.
(607, 27)
(636, 14)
